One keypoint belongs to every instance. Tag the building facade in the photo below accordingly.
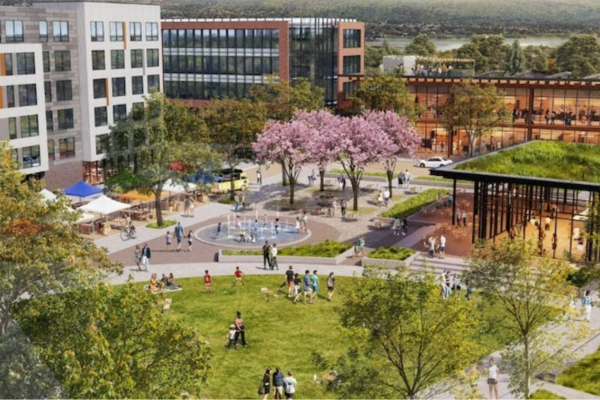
(210, 59)
(543, 109)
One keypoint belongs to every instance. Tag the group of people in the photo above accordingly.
(333, 206)
(237, 333)
(308, 286)
(282, 385)
(400, 227)
(270, 255)
(142, 257)
(188, 207)
(179, 236)
(436, 246)
(165, 283)
(451, 282)
(404, 179)
(383, 197)
(302, 223)
(341, 182)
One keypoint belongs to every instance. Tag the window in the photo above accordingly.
(137, 58)
(119, 113)
(60, 31)
(27, 95)
(31, 156)
(8, 64)
(15, 155)
(29, 126)
(14, 31)
(137, 85)
(100, 88)
(98, 62)
(48, 91)
(152, 31)
(348, 90)
(10, 96)
(97, 28)
(66, 147)
(12, 128)
(101, 142)
(153, 83)
(116, 31)
(152, 58)
(351, 38)
(65, 119)
(25, 63)
(46, 61)
(135, 31)
(64, 90)
(62, 61)
(100, 116)
(43, 31)
(117, 59)
(351, 65)
(118, 87)
(51, 156)
(49, 121)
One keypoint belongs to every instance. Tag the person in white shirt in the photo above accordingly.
(442, 249)
(493, 373)
(386, 196)
(289, 385)
(274, 264)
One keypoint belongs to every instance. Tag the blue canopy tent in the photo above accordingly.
(82, 190)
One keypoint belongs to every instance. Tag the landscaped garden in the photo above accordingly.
(554, 160)
(327, 248)
(583, 375)
(414, 204)
(392, 253)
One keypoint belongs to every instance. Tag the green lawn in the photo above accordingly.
(555, 160)
(583, 375)
(327, 248)
(341, 171)
(392, 253)
(414, 204)
(544, 394)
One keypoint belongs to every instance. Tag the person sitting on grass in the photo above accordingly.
(164, 281)
(231, 342)
(154, 283)
(171, 283)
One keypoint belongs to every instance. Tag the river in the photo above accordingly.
(451, 43)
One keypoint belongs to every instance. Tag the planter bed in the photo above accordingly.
(284, 260)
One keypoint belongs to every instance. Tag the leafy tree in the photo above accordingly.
(233, 126)
(385, 92)
(40, 251)
(406, 338)
(535, 59)
(282, 99)
(149, 144)
(580, 55)
(287, 144)
(515, 59)
(403, 136)
(373, 56)
(115, 343)
(488, 51)
(421, 45)
(475, 109)
(531, 292)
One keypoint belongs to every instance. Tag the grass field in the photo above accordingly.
(413, 204)
(279, 333)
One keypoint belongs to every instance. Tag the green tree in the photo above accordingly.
(515, 59)
(385, 92)
(40, 251)
(475, 109)
(488, 51)
(421, 45)
(580, 55)
(233, 126)
(373, 56)
(108, 342)
(405, 338)
(156, 143)
(536, 59)
(531, 293)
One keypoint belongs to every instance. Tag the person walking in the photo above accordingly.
(137, 257)
(343, 207)
(266, 249)
(186, 206)
(442, 250)
(492, 381)
(307, 285)
(386, 196)
(278, 383)
(289, 278)
(396, 226)
(146, 256)
(258, 177)
(361, 246)
(219, 234)
(231, 342)
(274, 264)
(406, 179)
(586, 302)
(297, 291)
(464, 218)
(289, 385)
(238, 276)
(169, 240)
(207, 282)
(404, 226)
(266, 383)
(179, 235)
(401, 180)
(240, 330)
(330, 285)
(304, 221)
(190, 240)
(314, 281)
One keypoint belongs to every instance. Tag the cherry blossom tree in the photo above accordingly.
(404, 137)
(321, 146)
(358, 143)
(287, 144)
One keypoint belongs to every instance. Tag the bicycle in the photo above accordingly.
(128, 233)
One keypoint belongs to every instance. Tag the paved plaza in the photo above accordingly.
(203, 256)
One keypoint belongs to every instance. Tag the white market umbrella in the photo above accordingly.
(104, 205)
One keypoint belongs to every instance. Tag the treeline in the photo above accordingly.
(408, 17)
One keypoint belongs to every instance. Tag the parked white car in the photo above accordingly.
(434, 162)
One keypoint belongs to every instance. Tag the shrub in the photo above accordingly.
(583, 275)
(544, 394)
(166, 223)
(413, 204)
(327, 248)
(225, 200)
(392, 253)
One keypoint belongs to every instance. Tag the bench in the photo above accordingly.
(166, 305)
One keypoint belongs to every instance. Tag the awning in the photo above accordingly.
(177, 188)
(82, 189)
(135, 195)
(104, 205)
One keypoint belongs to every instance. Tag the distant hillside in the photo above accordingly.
(408, 17)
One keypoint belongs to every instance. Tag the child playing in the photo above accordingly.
(231, 338)
(207, 281)
(169, 240)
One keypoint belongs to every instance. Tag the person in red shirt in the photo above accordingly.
(207, 281)
(238, 274)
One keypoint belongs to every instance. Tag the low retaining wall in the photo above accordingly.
(287, 259)
(391, 264)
